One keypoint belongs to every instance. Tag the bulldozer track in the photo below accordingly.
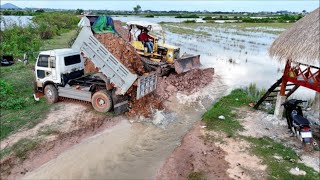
(148, 61)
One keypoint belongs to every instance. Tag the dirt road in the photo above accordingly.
(136, 149)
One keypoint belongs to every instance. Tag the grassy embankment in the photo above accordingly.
(24, 112)
(18, 108)
(265, 147)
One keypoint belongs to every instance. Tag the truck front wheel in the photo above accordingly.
(102, 101)
(51, 93)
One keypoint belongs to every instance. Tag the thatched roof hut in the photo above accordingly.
(301, 42)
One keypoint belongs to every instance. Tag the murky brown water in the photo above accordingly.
(132, 151)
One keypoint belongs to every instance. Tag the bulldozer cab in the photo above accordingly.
(154, 30)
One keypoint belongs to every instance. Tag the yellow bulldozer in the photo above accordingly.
(161, 57)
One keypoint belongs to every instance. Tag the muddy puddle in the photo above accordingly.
(133, 150)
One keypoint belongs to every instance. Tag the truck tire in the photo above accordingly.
(102, 101)
(51, 93)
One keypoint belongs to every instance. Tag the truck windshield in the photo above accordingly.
(70, 60)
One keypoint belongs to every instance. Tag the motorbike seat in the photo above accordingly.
(300, 120)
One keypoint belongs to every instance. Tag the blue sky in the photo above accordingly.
(213, 5)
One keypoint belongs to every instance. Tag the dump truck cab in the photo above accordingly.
(58, 66)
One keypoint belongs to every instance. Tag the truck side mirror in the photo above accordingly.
(52, 61)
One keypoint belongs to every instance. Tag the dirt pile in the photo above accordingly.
(123, 51)
(144, 106)
(188, 82)
(89, 67)
(124, 33)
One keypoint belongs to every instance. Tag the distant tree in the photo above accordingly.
(137, 9)
(79, 11)
(39, 11)
(19, 13)
(304, 11)
(6, 12)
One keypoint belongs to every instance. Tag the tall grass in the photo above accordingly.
(254, 92)
(16, 39)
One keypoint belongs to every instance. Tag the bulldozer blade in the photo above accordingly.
(186, 63)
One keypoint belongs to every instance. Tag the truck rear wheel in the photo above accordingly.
(102, 101)
(51, 93)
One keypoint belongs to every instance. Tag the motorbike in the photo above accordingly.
(299, 125)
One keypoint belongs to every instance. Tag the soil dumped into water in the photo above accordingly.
(120, 47)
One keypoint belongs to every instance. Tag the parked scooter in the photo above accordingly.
(298, 124)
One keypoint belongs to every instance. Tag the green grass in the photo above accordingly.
(21, 148)
(226, 107)
(180, 30)
(48, 130)
(18, 108)
(196, 176)
(59, 42)
(245, 27)
(24, 146)
(266, 148)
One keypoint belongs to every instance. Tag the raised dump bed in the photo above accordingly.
(108, 64)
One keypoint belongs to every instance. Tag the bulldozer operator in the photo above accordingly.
(145, 38)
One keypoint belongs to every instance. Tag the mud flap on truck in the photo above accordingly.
(146, 84)
(120, 103)
(186, 63)
(36, 93)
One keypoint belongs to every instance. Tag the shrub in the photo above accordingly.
(46, 32)
(189, 21)
(58, 19)
(13, 103)
(187, 16)
(150, 16)
(16, 40)
(6, 89)
(207, 18)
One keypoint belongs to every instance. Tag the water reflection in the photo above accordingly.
(19, 20)
(240, 57)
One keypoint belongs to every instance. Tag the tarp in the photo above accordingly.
(104, 24)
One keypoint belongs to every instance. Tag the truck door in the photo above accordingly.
(46, 70)
(52, 65)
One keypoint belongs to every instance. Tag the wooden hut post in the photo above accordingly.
(281, 98)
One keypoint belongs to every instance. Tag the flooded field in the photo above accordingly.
(237, 51)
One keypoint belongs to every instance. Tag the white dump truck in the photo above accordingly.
(60, 73)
